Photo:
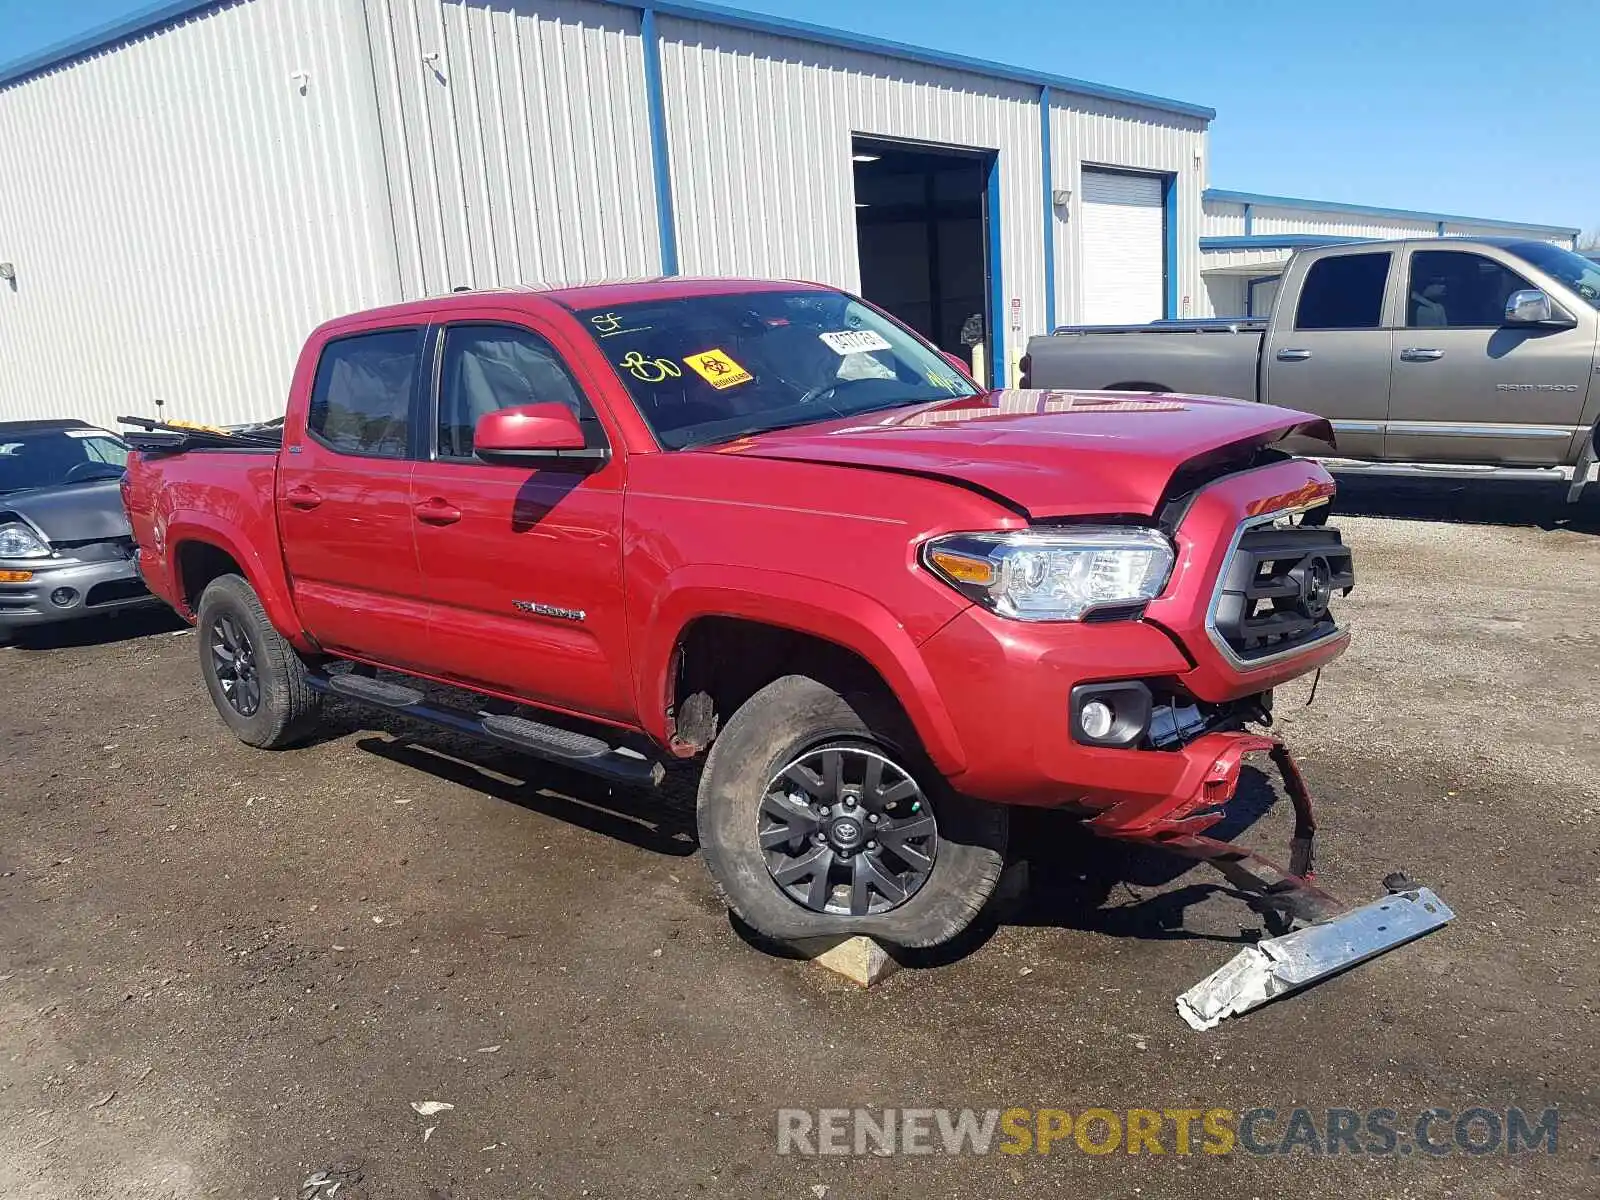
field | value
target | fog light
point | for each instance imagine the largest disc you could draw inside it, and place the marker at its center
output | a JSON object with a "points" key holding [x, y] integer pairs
{"points": [[1096, 719], [62, 597]]}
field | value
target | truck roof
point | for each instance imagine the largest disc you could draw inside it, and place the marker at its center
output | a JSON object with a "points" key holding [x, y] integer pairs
{"points": [[573, 297], [43, 425]]}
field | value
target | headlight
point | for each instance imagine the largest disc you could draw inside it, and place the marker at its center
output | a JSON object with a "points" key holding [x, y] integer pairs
{"points": [[18, 541], [1057, 574]]}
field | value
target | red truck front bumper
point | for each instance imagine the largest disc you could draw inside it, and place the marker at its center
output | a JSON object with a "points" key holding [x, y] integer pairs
{"points": [[1008, 685]]}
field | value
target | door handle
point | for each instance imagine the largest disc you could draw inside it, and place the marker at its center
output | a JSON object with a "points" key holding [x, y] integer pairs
{"points": [[302, 497], [436, 510], [1420, 354], [1292, 354]]}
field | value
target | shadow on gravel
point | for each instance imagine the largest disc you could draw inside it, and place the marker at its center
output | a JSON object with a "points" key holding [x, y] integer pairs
{"points": [[1473, 501], [653, 821], [1067, 877], [98, 631]]}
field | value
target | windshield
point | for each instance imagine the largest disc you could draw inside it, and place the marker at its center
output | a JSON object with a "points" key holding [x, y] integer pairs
{"points": [[708, 369], [49, 457], [1580, 274]]}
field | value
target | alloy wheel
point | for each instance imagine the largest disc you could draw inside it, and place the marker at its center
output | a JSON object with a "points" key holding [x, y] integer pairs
{"points": [[846, 830], [233, 657]]}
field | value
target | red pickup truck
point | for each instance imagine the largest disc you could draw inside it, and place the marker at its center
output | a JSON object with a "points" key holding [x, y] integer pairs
{"points": [[766, 523]]}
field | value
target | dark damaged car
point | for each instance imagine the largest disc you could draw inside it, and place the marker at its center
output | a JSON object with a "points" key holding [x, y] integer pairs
{"points": [[66, 550]]}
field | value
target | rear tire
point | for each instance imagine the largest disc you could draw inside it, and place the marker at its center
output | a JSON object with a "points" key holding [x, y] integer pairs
{"points": [[797, 718], [255, 677]]}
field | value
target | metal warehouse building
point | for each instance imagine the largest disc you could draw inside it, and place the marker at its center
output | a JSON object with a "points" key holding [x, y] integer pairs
{"points": [[187, 194]]}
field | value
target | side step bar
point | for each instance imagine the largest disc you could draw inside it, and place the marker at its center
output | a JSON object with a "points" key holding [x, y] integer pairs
{"points": [[1577, 476], [577, 750]]}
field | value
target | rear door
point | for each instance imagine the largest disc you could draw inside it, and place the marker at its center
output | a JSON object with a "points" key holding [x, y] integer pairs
{"points": [[1327, 350], [1469, 388], [522, 565], [344, 499]]}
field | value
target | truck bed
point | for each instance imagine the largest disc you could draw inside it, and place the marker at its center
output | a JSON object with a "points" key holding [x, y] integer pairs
{"points": [[1205, 356]]}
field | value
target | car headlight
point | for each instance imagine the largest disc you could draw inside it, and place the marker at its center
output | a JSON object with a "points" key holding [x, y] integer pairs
{"points": [[1061, 574], [18, 541]]}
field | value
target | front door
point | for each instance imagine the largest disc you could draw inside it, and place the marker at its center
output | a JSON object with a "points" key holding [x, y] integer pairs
{"points": [[344, 501], [1330, 356], [1467, 387], [522, 566]]}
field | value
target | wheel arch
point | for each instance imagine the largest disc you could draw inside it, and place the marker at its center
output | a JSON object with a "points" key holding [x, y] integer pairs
{"points": [[780, 625], [201, 552]]}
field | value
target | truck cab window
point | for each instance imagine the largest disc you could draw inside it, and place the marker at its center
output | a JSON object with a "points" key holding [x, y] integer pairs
{"points": [[490, 367], [1457, 290], [361, 400], [1344, 292]]}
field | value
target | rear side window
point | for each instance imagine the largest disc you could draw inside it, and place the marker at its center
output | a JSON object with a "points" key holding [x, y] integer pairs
{"points": [[361, 400], [1344, 292], [490, 367]]}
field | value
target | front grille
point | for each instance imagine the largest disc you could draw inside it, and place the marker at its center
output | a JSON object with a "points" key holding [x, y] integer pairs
{"points": [[1277, 591]]}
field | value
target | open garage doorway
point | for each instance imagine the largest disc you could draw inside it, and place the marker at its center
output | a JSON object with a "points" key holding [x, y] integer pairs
{"points": [[926, 228]]}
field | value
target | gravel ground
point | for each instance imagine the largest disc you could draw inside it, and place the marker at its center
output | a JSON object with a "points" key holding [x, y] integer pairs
{"points": [[223, 971]]}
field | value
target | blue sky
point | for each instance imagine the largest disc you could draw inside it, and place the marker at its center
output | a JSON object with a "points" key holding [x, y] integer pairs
{"points": [[1476, 107]]}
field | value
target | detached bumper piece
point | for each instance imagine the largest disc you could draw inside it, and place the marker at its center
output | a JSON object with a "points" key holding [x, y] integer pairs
{"points": [[1334, 936], [1285, 964]]}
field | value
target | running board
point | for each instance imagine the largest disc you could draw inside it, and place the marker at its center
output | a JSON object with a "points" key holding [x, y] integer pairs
{"points": [[579, 751], [1280, 965], [1417, 470]]}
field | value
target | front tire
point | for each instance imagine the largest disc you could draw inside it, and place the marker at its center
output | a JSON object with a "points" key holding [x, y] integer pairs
{"points": [[255, 678], [819, 817]]}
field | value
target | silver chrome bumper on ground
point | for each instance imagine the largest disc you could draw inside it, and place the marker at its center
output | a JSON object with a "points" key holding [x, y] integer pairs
{"points": [[1285, 964]]}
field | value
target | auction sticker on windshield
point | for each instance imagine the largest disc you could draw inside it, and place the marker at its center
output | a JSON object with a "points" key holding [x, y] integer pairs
{"points": [[717, 369], [855, 341]]}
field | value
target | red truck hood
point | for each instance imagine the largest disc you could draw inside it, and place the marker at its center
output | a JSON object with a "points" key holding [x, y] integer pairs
{"points": [[1052, 453]]}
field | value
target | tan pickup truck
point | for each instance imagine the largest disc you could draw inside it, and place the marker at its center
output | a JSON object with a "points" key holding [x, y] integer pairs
{"points": [[1453, 356]]}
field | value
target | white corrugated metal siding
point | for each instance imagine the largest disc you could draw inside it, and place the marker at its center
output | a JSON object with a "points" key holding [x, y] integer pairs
{"points": [[517, 140], [759, 129], [1086, 133], [183, 209]]}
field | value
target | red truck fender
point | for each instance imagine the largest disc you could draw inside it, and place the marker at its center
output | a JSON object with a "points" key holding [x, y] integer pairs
{"points": [[823, 610], [269, 580]]}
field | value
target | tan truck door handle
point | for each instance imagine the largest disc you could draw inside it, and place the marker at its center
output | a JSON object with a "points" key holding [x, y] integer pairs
{"points": [[1290, 354], [1420, 354]]}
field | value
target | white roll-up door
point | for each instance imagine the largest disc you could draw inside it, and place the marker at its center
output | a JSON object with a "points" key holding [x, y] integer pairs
{"points": [[1123, 244]]}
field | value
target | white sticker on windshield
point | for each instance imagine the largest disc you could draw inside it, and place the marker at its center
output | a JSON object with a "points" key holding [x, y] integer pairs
{"points": [[87, 433], [855, 341]]}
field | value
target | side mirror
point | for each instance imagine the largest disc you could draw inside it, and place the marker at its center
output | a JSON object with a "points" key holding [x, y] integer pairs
{"points": [[1530, 306], [529, 433]]}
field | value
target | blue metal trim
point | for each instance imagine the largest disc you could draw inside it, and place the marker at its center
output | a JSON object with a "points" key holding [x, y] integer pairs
{"points": [[716, 14], [660, 164], [103, 37], [1266, 201], [1169, 224], [1249, 219], [999, 369], [1049, 209], [1276, 241], [160, 15]]}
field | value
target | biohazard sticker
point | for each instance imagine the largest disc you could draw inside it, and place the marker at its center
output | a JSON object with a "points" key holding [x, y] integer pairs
{"points": [[717, 369], [855, 341]]}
